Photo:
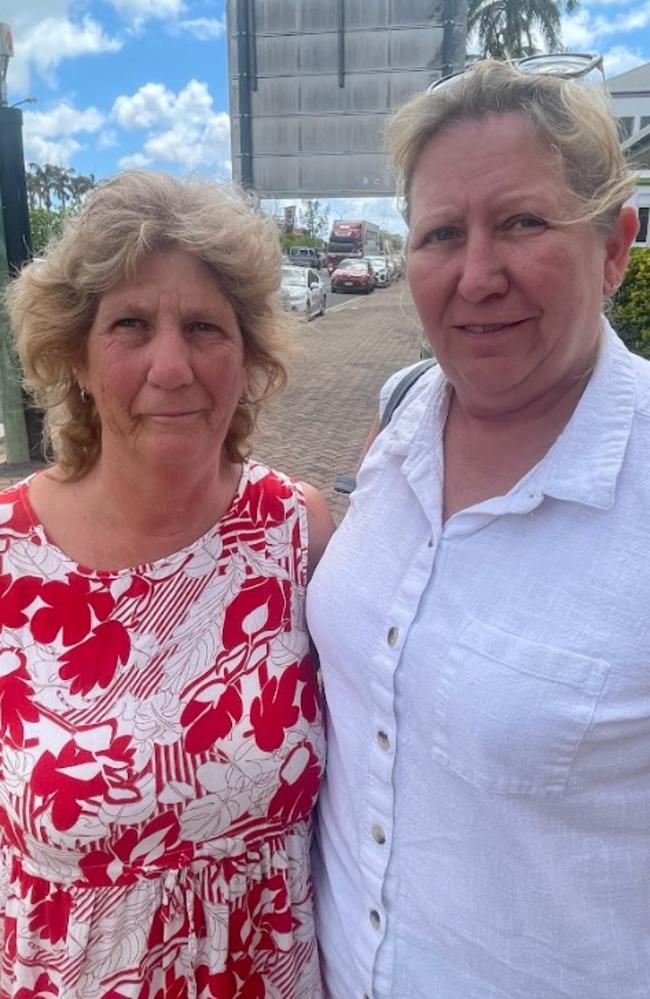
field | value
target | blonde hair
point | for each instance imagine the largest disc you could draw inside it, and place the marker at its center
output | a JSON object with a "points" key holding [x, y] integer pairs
{"points": [[53, 302], [572, 119]]}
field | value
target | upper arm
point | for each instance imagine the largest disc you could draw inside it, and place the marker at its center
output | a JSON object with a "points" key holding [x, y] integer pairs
{"points": [[320, 525]]}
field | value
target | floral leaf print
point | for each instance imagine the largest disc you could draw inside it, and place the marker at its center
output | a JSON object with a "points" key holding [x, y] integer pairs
{"points": [[207, 721], [274, 711], [43, 989], [49, 919], [16, 693], [68, 610], [299, 782], [15, 598], [93, 663], [262, 605], [67, 781]]}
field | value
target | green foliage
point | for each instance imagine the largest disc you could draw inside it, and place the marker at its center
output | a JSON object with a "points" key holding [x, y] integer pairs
{"points": [[629, 311], [45, 225], [395, 239], [508, 29], [287, 241], [314, 218]]}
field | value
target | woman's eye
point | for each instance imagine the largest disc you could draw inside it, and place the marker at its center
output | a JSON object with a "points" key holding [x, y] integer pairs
{"points": [[443, 234], [129, 323], [527, 222], [204, 327]]}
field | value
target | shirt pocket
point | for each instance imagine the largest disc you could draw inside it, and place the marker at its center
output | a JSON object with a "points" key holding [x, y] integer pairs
{"points": [[511, 713]]}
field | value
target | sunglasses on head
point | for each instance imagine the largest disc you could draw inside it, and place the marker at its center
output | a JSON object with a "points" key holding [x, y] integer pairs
{"points": [[567, 65]]}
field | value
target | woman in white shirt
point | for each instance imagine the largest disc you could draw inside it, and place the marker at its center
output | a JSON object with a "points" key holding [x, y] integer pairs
{"points": [[484, 828]]}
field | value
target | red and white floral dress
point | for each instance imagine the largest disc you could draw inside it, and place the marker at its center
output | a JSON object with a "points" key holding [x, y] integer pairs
{"points": [[161, 749]]}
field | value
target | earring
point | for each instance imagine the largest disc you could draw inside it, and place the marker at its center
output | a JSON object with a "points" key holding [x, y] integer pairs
{"points": [[84, 394]]}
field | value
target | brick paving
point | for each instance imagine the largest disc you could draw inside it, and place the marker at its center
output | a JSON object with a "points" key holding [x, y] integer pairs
{"points": [[317, 426]]}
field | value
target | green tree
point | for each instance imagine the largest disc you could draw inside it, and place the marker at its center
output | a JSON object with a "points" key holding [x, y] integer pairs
{"points": [[629, 310], [45, 225], [315, 218], [394, 239], [506, 29]]}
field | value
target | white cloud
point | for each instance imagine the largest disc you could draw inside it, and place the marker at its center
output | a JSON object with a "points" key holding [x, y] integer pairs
{"points": [[586, 29], [619, 59], [139, 11], [204, 28], [107, 139], [51, 136], [133, 161], [41, 47], [183, 128], [148, 105]]}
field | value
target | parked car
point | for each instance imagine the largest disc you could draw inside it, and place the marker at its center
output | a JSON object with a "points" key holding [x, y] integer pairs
{"points": [[353, 275], [302, 291], [305, 256], [381, 270]]}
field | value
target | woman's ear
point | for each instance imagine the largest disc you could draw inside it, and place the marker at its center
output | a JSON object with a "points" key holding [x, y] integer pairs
{"points": [[617, 246]]}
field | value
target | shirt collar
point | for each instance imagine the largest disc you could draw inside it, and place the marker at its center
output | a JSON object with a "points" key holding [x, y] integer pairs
{"points": [[583, 464]]}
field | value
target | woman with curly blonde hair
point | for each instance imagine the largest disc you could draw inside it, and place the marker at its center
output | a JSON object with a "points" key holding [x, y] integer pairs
{"points": [[161, 735]]}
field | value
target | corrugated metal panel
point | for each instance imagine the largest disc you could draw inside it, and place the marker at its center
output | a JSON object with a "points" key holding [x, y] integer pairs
{"points": [[308, 134]]}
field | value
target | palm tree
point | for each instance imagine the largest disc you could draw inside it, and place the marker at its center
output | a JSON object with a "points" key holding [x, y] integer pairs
{"points": [[506, 28]]}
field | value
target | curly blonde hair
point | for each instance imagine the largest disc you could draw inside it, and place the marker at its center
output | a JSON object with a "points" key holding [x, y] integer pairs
{"points": [[53, 302], [573, 120]]}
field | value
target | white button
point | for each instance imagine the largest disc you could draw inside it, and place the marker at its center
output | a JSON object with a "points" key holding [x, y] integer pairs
{"points": [[378, 834], [383, 740], [393, 635], [375, 918]]}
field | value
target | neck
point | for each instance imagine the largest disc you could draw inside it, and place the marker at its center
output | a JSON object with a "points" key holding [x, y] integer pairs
{"points": [[160, 502], [540, 419]]}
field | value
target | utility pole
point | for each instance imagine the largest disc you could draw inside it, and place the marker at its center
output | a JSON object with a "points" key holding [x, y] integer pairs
{"points": [[22, 423]]}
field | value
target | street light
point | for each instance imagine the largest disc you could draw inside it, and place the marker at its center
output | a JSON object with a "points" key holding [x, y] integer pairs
{"points": [[25, 100]]}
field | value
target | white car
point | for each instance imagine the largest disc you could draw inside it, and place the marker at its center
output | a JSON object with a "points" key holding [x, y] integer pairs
{"points": [[302, 291], [380, 270]]}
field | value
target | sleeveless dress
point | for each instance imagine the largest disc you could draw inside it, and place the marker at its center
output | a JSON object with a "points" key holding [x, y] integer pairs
{"points": [[161, 750]]}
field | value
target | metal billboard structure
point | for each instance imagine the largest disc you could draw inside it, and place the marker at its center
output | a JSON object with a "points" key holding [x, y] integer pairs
{"points": [[313, 81]]}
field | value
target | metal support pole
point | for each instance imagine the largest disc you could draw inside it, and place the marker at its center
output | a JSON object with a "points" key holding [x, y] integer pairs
{"points": [[448, 40], [17, 233], [341, 41], [13, 416], [244, 75]]}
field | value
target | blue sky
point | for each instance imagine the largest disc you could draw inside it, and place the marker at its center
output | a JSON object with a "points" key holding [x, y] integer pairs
{"points": [[145, 82]]}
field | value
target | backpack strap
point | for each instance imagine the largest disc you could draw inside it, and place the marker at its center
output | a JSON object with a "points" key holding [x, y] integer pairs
{"points": [[347, 483], [402, 387]]}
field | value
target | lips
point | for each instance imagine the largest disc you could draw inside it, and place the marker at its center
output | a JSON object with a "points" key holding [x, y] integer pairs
{"points": [[483, 329]]}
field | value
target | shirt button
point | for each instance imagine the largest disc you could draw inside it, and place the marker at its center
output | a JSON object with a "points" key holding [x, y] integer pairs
{"points": [[383, 740], [375, 919], [393, 635], [378, 835]]}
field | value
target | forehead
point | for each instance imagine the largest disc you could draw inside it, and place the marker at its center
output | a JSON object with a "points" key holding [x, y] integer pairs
{"points": [[171, 274], [496, 155]]}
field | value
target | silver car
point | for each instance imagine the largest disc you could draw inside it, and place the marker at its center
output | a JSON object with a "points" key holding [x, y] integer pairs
{"points": [[302, 291], [380, 270]]}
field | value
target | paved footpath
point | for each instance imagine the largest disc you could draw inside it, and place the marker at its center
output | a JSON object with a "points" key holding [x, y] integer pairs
{"points": [[317, 426]]}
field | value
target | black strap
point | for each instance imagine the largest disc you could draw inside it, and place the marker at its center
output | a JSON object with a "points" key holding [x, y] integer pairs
{"points": [[347, 483], [402, 388]]}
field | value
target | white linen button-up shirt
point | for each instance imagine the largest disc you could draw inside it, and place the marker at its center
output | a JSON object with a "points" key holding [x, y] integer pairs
{"points": [[485, 821]]}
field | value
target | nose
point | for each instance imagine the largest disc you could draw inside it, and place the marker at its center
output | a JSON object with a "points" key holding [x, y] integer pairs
{"points": [[170, 365], [483, 273]]}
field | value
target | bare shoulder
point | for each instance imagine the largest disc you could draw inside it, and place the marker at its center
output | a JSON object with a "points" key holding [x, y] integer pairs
{"points": [[320, 524]]}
